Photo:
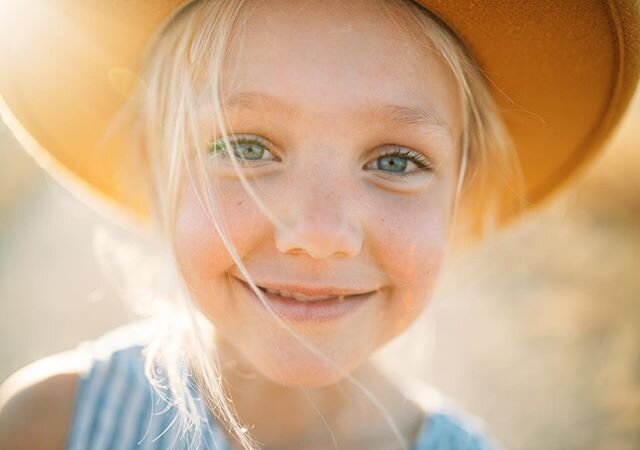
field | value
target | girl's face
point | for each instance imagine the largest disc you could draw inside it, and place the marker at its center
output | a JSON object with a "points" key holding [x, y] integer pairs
{"points": [[351, 130]]}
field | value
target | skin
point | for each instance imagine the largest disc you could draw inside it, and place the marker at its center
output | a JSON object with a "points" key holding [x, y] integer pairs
{"points": [[347, 222]]}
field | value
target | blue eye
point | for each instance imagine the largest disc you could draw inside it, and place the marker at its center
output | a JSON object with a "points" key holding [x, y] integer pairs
{"points": [[245, 149], [397, 161], [392, 163]]}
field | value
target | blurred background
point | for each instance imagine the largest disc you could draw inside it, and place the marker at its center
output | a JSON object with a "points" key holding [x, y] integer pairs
{"points": [[537, 331]]}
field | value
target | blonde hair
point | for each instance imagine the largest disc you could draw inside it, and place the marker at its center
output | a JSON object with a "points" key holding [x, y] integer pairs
{"points": [[185, 60], [490, 186]]}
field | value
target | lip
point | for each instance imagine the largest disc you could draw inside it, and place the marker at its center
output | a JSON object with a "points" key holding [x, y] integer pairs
{"points": [[311, 311], [311, 290]]}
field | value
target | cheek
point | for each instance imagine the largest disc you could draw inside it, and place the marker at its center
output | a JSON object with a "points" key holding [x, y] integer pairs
{"points": [[202, 256], [411, 231], [412, 238], [418, 250]]}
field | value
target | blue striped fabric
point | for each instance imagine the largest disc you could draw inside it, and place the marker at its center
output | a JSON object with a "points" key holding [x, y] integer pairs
{"points": [[117, 409]]}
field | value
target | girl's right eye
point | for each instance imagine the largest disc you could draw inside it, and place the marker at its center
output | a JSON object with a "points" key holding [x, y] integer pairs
{"points": [[246, 150]]}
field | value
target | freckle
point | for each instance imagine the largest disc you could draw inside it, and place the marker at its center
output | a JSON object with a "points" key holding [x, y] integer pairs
{"points": [[239, 203]]}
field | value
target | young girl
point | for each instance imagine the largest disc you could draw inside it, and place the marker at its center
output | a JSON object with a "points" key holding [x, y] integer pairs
{"points": [[305, 168]]}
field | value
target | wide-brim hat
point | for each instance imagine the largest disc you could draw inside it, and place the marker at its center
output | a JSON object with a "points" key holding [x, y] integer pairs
{"points": [[561, 72]]}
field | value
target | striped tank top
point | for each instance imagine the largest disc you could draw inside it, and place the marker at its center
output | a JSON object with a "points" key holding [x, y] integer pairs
{"points": [[116, 408]]}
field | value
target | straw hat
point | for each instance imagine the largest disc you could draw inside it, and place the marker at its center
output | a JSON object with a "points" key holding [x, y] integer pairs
{"points": [[563, 73]]}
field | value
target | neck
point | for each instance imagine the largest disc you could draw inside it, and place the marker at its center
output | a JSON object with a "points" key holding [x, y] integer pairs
{"points": [[336, 416]]}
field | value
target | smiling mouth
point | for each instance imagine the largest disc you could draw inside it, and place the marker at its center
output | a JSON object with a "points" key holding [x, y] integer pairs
{"points": [[307, 297], [317, 305]]}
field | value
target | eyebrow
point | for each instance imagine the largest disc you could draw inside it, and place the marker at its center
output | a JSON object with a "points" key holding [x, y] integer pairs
{"points": [[416, 116], [410, 116]]}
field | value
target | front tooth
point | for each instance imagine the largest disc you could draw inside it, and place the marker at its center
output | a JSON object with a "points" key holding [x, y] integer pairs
{"points": [[297, 296], [304, 298]]}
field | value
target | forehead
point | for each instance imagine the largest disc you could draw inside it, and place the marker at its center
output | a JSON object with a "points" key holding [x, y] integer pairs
{"points": [[329, 58]]}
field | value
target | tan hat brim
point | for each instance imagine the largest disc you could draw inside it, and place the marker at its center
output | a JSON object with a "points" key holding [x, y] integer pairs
{"points": [[562, 73]]}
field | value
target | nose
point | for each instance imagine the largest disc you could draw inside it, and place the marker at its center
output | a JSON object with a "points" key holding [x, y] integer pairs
{"points": [[321, 223]]}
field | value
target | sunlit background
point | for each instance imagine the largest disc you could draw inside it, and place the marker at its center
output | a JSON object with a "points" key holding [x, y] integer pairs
{"points": [[537, 332]]}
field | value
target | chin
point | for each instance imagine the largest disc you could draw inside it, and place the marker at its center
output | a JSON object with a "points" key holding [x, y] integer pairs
{"points": [[304, 369], [305, 375]]}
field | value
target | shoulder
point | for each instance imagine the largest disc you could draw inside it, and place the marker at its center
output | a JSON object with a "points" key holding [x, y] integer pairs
{"points": [[36, 402], [447, 426], [454, 430]]}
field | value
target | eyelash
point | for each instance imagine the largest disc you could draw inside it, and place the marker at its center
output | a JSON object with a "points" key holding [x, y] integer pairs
{"points": [[417, 158], [240, 140]]}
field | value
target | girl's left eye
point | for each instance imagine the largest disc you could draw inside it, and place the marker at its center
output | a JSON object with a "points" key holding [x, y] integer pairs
{"points": [[245, 149], [399, 159]]}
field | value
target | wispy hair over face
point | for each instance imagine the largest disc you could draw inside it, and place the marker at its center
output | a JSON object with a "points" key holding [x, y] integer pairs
{"points": [[182, 75]]}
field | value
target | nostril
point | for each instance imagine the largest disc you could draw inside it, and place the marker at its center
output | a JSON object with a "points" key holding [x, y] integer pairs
{"points": [[319, 238]]}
